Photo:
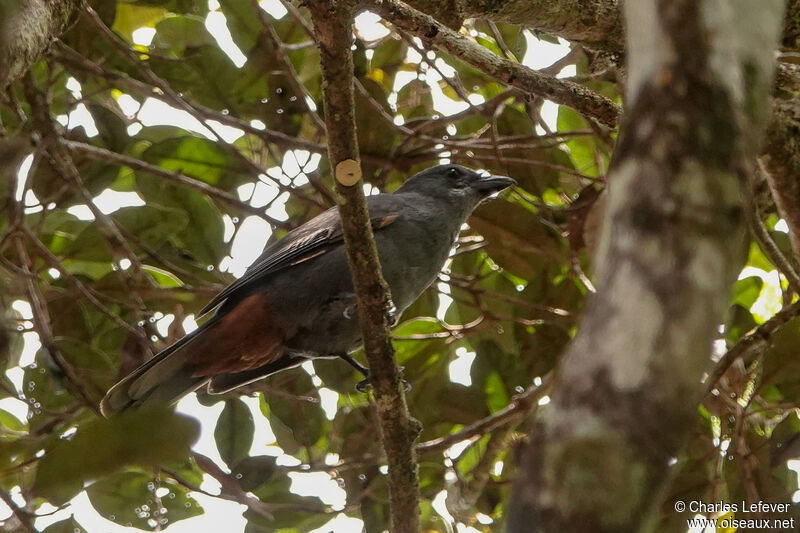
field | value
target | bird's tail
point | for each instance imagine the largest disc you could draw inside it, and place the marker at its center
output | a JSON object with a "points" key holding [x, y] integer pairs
{"points": [[163, 379]]}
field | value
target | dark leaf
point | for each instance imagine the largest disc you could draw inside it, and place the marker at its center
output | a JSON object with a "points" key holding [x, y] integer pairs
{"points": [[144, 438], [234, 431]]}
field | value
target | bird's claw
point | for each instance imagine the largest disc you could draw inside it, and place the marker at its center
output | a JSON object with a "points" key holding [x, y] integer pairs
{"points": [[364, 385]]}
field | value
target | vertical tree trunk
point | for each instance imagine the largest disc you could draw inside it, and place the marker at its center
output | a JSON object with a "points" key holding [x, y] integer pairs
{"points": [[26, 30], [671, 246]]}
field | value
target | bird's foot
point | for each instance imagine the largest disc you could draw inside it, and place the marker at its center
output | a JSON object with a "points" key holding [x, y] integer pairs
{"points": [[364, 385]]}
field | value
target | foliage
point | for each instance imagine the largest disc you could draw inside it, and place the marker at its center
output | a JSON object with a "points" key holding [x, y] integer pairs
{"points": [[106, 288]]}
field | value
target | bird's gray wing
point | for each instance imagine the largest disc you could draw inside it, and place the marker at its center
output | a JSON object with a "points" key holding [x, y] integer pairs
{"points": [[305, 242]]}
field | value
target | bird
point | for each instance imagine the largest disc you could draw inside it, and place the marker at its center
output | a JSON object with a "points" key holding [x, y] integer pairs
{"points": [[296, 301]]}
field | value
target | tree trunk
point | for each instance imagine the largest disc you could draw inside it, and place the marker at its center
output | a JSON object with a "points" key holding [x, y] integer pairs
{"points": [[671, 246], [26, 30]]}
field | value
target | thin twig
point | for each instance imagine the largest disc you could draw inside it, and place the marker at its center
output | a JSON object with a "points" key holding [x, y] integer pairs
{"points": [[24, 517], [766, 242], [752, 342]]}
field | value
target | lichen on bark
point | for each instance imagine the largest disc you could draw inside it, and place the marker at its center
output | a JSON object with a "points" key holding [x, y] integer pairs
{"points": [[27, 29], [672, 245]]}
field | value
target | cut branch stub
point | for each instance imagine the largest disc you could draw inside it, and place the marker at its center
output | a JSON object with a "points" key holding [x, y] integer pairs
{"points": [[348, 172]]}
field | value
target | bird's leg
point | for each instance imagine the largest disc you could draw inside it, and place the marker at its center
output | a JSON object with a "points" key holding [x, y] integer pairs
{"points": [[363, 385], [355, 364]]}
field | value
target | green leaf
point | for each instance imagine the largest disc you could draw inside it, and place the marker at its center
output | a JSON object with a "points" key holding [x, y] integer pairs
{"points": [[243, 22], [367, 117], [496, 395], [44, 389], [781, 364], [414, 100], [389, 55], [516, 238], [202, 238], [131, 17], [739, 322], [296, 421], [65, 526], [200, 158], [757, 259], [747, 290], [490, 44], [111, 127], [134, 499], [581, 149], [165, 279], [177, 33], [234, 432], [149, 437], [253, 472], [785, 439], [11, 422], [151, 225]]}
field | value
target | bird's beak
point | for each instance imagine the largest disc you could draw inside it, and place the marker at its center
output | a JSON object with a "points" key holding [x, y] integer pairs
{"points": [[492, 184]]}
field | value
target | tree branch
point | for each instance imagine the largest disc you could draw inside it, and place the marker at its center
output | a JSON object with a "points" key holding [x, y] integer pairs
{"points": [[752, 342], [24, 517], [509, 72], [41, 319], [781, 157], [333, 28], [519, 407], [597, 24], [101, 154], [765, 240]]}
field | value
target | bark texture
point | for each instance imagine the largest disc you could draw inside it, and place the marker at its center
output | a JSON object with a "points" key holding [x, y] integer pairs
{"points": [[671, 246], [782, 161], [26, 30], [596, 24], [791, 26], [512, 73], [332, 25]]}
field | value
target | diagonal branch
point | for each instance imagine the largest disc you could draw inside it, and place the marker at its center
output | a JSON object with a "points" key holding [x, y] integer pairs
{"points": [[765, 240], [781, 158], [41, 319], [102, 154], [509, 72], [754, 341]]}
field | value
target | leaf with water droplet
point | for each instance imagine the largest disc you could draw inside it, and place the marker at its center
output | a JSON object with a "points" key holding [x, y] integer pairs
{"points": [[120, 498], [144, 438]]}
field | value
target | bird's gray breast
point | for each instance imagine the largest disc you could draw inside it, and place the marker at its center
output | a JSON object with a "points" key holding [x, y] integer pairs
{"points": [[412, 253], [319, 301]]}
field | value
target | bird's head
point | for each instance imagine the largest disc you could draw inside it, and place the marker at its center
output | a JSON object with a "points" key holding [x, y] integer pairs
{"points": [[455, 184]]}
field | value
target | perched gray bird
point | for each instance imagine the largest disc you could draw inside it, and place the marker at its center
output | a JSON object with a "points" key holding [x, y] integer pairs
{"points": [[296, 302]]}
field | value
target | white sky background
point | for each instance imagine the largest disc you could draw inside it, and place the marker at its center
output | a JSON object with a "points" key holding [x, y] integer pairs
{"points": [[253, 233]]}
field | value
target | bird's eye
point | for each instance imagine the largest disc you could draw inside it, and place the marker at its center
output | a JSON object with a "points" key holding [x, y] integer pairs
{"points": [[452, 172]]}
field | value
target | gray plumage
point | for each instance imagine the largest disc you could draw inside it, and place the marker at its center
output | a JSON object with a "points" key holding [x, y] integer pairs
{"points": [[297, 301]]}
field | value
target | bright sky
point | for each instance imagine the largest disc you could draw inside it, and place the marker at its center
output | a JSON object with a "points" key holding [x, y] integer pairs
{"points": [[248, 241]]}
